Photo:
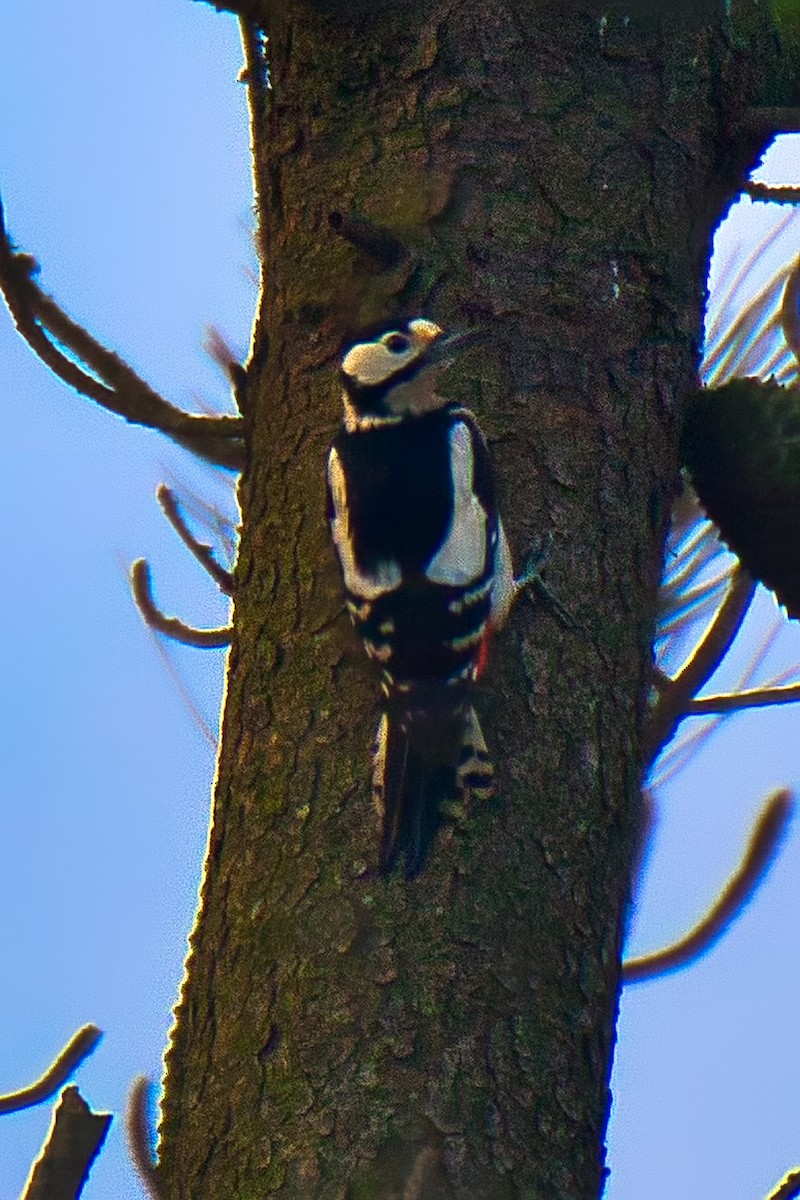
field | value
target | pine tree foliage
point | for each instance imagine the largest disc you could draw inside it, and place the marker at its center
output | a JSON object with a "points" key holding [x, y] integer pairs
{"points": [[741, 444], [739, 441]]}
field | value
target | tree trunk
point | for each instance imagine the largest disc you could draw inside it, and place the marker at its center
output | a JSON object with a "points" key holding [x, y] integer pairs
{"points": [[554, 177]]}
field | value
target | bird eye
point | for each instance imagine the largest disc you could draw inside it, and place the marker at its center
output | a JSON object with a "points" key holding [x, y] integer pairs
{"points": [[396, 342]]}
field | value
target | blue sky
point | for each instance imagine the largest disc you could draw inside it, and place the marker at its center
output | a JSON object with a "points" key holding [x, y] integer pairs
{"points": [[124, 168]]}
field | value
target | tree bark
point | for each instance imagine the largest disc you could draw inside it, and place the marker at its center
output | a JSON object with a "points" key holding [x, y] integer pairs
{"points": [[554, 175]]}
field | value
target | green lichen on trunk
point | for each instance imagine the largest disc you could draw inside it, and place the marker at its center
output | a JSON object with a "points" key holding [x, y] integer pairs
{"points": [[554, 179]]}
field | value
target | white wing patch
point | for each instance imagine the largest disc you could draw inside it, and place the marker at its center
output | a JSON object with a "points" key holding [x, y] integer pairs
{"points": [[462, 555], [504, 590], [368, 586]]}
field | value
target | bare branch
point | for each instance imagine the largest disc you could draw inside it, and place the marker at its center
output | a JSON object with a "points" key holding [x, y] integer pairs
{"points": [[103, 376], [704, 706], [75, 1138], [137, 1125], [715, 645], [788, 1188], [206, 639], [202, 552], [681, 749], [767, 834], [209, 515], [670, 708], [76, 1050], [775, 195], [382, 246]]}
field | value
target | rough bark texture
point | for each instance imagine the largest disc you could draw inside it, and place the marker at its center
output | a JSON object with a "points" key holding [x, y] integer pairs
{"points": [[556, 175]]}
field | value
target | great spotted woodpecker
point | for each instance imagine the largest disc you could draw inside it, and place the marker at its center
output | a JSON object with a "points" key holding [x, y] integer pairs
{"points": [[427, 572]]}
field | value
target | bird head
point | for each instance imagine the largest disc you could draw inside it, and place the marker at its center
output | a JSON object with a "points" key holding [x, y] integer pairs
{"points": [[394, 374]]}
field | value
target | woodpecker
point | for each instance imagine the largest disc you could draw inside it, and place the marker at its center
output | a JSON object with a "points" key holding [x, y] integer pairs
{"points": [[427, 572]]}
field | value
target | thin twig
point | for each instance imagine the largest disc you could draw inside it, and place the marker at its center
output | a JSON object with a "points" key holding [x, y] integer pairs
{"points": [[104, 377], [670, 709], [788, 1188], [677, 610], [163, 649], [206, 639], [761, 849], [718, 361], [691, 553], [76, 1050], [221, 351], [680, 750], [223, 355], [137, 1125], [206, 513], [75, 1137], [704, 706], [715, 645], [202, 552]]}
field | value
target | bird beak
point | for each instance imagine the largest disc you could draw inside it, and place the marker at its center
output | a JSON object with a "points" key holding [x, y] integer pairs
{"points": [[448, 345]]}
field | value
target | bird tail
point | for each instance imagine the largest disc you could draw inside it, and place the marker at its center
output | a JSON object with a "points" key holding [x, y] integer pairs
{"points": [[475, 773], [422, 760]]}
